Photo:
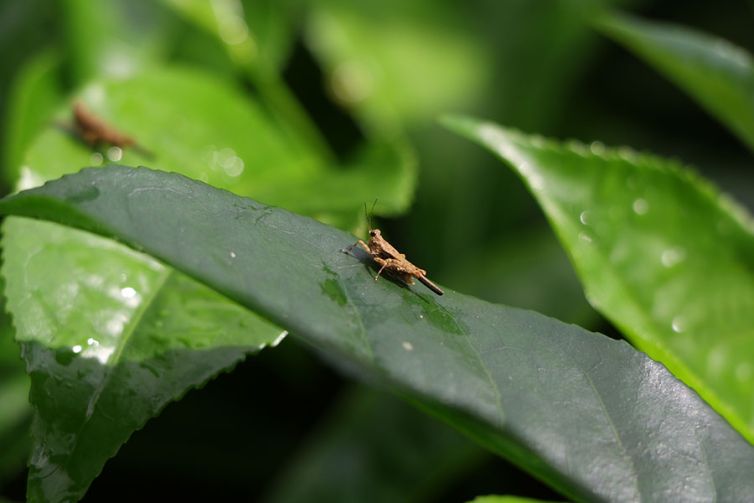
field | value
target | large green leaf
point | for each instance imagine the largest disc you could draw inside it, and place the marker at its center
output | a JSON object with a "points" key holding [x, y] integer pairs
{"points": [[110, 336], [591, 416], [713, 71], [195, 125], [35, 94], [661, 253], [199, 126]]}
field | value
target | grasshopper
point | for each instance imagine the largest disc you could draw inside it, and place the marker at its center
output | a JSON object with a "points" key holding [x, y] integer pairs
{"points": [[94, 131], [390, 259]]}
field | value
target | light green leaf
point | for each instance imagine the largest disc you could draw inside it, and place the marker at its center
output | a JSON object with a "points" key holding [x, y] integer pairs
{"points": [[660, 252], [110, 336], [589, 415], [199, 126], [256, 34], [384, 78], [36, 93], [719, 75], [114, 38]]}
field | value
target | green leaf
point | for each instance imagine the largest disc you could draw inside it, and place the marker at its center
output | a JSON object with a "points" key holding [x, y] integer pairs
{"points": [[199, 126], [719, 75], [384, 78], [35, 94], [115, 38], [373, 447], [110, 336], [257, 35], [660, 251], [15, 411], [589, 415]]}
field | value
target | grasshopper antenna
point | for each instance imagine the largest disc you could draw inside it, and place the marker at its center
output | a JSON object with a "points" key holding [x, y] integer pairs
{"points": [[368, 214], [371, 213]]}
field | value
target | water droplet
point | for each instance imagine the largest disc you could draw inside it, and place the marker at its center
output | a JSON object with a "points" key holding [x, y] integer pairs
{"points": [[114, 327], [96, 159], [597, 148], [678, 324], [421, 316], [585, 237], [641, 206], [232, 254], [92, 342], [76, 349], [408, 346], [672, 256], [128, 292], [115, 154], [228, 161], [584, 217]]}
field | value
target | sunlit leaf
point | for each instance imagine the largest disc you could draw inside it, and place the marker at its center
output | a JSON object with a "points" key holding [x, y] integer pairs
{"points": [[660, 252]]}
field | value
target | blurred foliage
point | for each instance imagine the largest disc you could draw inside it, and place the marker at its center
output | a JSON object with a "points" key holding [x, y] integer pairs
{"points": [[357, 86]]}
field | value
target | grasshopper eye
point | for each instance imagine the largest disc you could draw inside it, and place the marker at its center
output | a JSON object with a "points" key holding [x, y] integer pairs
{"points": [[372, 233]]}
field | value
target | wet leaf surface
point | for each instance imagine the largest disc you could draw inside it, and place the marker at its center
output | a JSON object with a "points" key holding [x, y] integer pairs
{"points": [[591, 416]]}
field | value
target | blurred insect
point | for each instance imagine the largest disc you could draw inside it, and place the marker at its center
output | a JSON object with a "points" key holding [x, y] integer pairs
{"points": [[96, 133], [391, 260]]}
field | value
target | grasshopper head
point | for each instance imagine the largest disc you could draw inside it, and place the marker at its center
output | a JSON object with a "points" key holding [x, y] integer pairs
{"points": [[374, 233]]}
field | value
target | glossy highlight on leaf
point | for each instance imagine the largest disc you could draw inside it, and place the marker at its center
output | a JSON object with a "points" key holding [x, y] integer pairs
{"points": [[573, 407], [660, 251]]}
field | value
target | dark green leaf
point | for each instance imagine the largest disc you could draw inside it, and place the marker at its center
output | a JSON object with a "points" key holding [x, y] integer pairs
{"points": [[660, 251], [719, 75], [591, 416]]}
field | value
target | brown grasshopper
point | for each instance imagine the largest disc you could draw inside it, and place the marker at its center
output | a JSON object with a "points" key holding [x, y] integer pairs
{"points": [[390, 259], [94, 131]]}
